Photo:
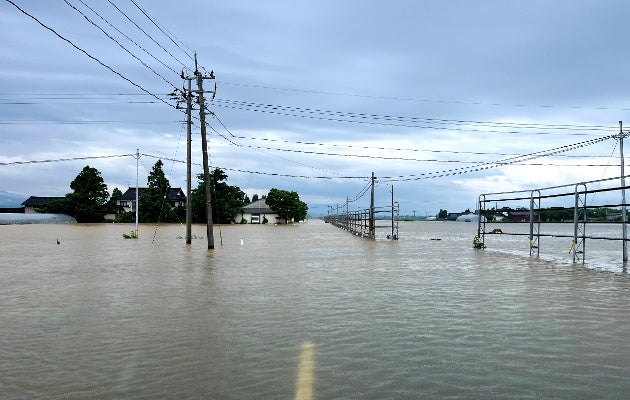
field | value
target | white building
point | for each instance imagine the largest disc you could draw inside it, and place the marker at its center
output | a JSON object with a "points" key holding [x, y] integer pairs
{"points": [[257, 212]]}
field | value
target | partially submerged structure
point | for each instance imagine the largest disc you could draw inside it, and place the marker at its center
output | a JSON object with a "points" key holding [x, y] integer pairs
{"points": [[258, 212]]}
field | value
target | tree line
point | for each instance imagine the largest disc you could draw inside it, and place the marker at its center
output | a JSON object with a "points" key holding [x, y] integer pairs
{"points": [[90, 200]]}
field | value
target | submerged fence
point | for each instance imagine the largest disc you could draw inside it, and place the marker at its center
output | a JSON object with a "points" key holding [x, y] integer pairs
{"points": [[364, 222], [582, 196]]}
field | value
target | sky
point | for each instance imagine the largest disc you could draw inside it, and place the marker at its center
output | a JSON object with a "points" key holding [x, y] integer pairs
{"points": [[442, 100]]}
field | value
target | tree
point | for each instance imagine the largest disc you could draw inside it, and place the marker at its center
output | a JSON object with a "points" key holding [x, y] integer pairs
{"points": [[443, 214], [287, 205], [116, 193], [227, 200], [87, 202], [255, 197], [154, 205]]}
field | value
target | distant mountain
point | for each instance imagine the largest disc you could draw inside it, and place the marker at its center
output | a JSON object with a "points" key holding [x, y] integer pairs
{"points": [[8, 199]]}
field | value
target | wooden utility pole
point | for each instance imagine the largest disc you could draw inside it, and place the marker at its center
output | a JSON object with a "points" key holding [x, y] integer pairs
{"points": [[204, 150]]}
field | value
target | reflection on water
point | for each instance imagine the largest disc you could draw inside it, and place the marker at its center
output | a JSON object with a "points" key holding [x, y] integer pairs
{"points": [[98, 316]]}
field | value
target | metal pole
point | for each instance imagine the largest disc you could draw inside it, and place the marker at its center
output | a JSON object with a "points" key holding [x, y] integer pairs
{"points": [[204, 149], [372, 227], [623, 195], [188, 163], [393, 238], [137, 160]]}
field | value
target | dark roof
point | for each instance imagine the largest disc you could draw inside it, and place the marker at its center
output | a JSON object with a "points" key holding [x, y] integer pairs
{"points": [[258, 207], [176, 194], [519, 213], [34, 201]]}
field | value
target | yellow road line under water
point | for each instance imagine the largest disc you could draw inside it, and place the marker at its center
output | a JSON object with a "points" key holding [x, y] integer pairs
{"points": [[305, 373]]}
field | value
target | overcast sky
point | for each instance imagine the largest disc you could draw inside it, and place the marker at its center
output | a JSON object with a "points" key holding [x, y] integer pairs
{"points": [[322, 93]]}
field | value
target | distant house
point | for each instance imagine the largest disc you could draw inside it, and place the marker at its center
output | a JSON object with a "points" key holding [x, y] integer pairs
{"points": [[127, 202], [520, 216], [33, 203], [256, 212]]}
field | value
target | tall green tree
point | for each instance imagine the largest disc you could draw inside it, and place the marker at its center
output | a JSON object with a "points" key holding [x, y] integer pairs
{"points": [[227, 200], [87, 201], [287, 204], [116, 193], [154, 204]]}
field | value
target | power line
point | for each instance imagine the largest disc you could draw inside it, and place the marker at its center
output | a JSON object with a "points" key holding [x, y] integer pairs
{"points": [[87, 54], [119, 44], [508, 124], [392, 158], [65, 159], [128, 38], [351, 146], [410, 99], [382, 121], [84, 122], [496, 164], [263, 173], [161, 30], [143, 31]]}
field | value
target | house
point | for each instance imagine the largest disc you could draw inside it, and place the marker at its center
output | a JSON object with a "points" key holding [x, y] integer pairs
{"points": [[520, 216], [127, 202], [257, 212], [34, 202]]}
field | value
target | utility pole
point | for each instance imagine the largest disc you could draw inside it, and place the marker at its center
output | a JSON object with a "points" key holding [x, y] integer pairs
{"points": [[372, 225], [204, 150], [347, 214], [393, 237], [137, 204], [188, 96], [624, 218]]}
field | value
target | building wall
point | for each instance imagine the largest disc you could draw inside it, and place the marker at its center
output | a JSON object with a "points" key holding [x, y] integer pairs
{"points": [[272, 218]]}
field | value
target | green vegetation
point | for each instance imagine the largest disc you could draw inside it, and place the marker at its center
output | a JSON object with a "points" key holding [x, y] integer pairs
{"points": [[227, 200], [154, 205], [477, 244], [87, 202], [287, 205]]}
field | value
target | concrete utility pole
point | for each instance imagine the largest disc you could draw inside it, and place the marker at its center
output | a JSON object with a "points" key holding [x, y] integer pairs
{"points": [[393, 237], [188, 95], [137, 161], [372, 224], [188, 161], [624, 218], [204, 149]]}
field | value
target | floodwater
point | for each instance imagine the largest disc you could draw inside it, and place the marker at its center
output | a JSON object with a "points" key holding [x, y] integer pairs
{"points": [[309, 311]]}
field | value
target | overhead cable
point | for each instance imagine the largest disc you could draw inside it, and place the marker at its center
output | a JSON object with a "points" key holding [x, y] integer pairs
{"points": [[120, 45], [88, 54], [475, 103], [381, 121], [128, 38], [143, 31]]}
